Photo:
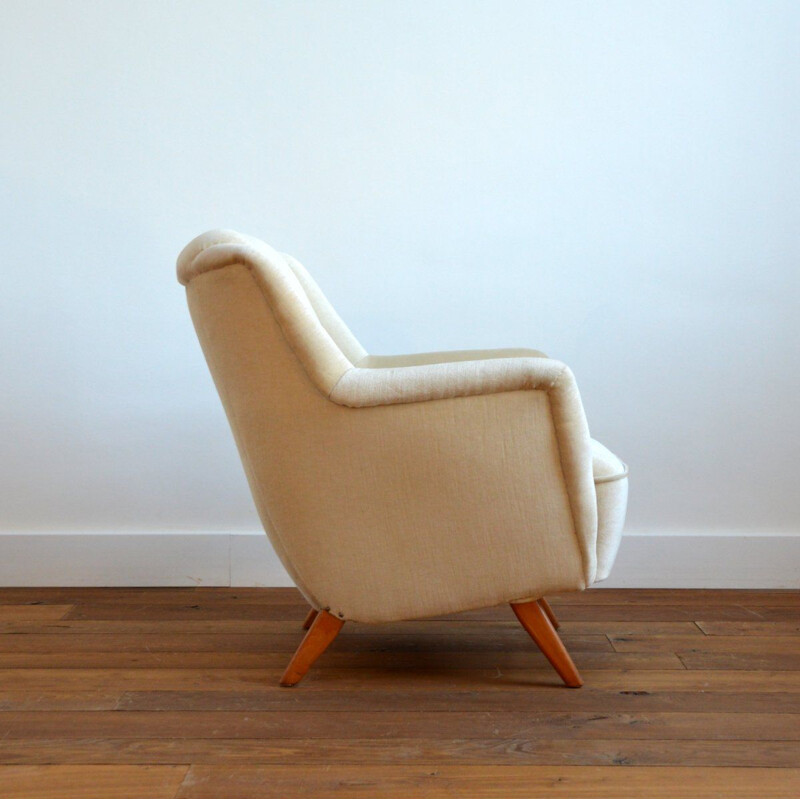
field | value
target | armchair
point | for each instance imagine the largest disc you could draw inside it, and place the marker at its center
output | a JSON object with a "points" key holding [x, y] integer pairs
{"points": [[400, 487]]}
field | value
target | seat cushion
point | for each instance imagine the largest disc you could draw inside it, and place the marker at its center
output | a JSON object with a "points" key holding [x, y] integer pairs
{"points": [[611, 486]]}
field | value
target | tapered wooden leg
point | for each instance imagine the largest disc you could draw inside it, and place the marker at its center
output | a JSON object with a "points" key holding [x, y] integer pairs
{"points": [[322, 632], [549, 611], [537, 623], [312, 615]]}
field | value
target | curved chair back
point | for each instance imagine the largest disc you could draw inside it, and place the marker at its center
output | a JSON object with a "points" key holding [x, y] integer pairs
{"points": [[275, 348]]}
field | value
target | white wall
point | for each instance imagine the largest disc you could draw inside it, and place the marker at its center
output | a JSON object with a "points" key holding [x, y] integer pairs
{"points": [[614, 183]]}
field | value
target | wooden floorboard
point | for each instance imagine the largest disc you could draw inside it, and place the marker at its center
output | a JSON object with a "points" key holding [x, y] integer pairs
{"points": [[456, 628], [399, 659], [174, 692], [502, 641], [16, 614], [205, 609], [407, 724], [388, 678], [84, 780], [786, 628], [593, 700], [400, 751], [484, 781]]}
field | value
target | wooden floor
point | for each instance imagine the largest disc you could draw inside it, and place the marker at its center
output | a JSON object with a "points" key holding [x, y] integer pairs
{"points": [[174, 693]]}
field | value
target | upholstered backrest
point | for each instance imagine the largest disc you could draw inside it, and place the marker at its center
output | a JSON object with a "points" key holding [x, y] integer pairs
{"points": [[319, 338], [275, 348], [326, 313]]}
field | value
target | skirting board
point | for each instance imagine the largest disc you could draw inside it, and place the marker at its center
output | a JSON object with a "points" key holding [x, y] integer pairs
{"points": [[666, 559]]}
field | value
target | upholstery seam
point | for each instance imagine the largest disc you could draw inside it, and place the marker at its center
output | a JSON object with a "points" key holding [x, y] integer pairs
{"points": [[612, 478], [338, 381], [570, 502]]}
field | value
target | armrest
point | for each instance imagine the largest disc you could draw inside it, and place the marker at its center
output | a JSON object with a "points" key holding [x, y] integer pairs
{"points": [[393, 386], [452, 356], [374, 386]]}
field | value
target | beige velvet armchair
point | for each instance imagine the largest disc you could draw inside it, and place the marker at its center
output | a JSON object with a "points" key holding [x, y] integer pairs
{"points": [[400, 487]]}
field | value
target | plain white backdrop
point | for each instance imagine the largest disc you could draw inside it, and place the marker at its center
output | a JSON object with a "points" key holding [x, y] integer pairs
{"points": [[616, 183]]}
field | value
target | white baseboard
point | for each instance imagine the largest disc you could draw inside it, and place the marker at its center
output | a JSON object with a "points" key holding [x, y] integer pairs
{"points": [[707, 560], [665, 559]]}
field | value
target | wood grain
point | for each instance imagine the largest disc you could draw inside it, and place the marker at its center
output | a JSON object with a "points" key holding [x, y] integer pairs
{"points": [[407, 724], [503, 641], [173, 692], [454, 628], [786, 628], [594, 700], [73, 780], [487, 781], [598, 752], [387, 678], [370, 680], [32, 613], [750, 645], [377, 659]]}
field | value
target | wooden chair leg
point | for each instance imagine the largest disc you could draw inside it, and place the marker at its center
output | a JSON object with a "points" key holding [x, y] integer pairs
{"points": [[541, 630], [312, 614], [549, 611], [322, 632]]}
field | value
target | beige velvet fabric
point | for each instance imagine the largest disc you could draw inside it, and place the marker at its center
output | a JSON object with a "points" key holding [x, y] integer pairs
{"points": [[327, 315], [321, 356], [405, 486]]}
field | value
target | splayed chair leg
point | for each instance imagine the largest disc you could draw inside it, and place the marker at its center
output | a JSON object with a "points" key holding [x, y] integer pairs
{"points": [[541, 630], [549, 611], [312, 615], [322, 632]]}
